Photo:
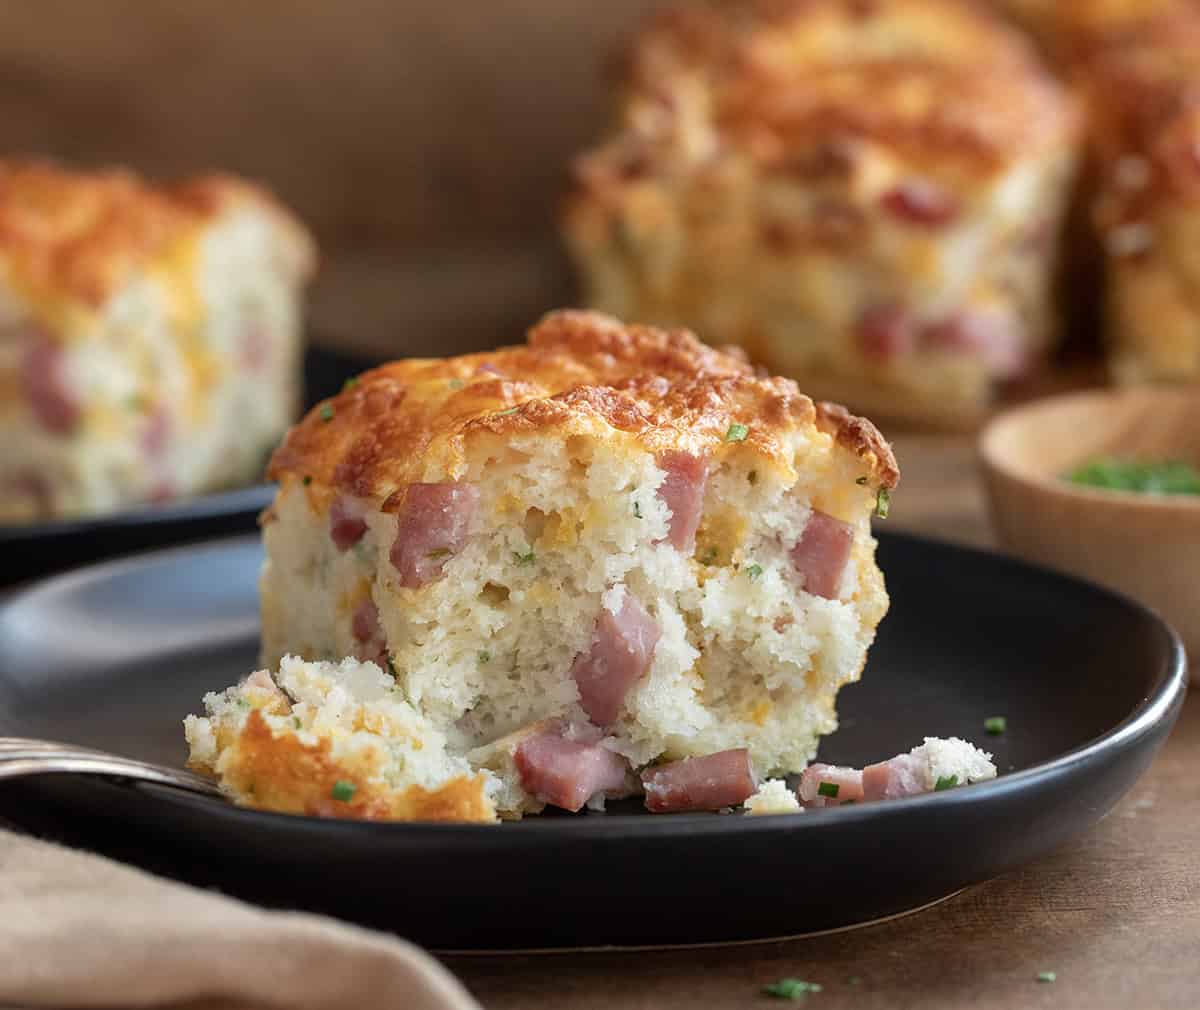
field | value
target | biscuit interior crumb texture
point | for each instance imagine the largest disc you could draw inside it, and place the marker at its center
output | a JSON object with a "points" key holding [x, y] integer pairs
{"points": [[866, 197], [615, 531], [149, 337], [773, 797]]}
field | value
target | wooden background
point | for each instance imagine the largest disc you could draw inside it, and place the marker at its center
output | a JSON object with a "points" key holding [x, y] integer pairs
{"points": [[425, 143]]}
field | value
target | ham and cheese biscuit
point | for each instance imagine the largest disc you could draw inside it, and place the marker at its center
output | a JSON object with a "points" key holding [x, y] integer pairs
{"points": [[149, 337], [608, 549], [866, 196]]}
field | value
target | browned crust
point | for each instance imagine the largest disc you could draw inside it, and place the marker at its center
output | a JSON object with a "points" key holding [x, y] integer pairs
{"points": [[288, 776], [780, 75], [1137, 63], [77, 235], [579, 372]]}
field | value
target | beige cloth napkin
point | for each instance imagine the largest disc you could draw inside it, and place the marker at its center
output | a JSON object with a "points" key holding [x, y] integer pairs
{"points": [[77, 930]]}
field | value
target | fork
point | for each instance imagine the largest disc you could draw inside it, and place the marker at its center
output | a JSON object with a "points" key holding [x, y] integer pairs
{"points": [[20, 757]]}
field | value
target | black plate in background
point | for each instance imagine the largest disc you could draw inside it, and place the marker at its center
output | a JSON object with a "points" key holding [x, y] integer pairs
{"points": [[1091, 683], [39, 549]]}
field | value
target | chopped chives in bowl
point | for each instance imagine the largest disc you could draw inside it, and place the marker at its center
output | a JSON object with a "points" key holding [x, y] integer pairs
{"points": [[1143, 476]]}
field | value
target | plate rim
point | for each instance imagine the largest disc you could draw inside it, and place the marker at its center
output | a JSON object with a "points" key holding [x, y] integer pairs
{"points": [[1160, 704]]}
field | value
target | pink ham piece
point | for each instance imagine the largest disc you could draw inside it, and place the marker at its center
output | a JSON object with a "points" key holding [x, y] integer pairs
{"points": [[903, 775], [995, 338], [620, 654], [682, 491], [433, 523], [848, 781], [821, 554], [921, 202], [346, 521], [53, 401], [885, 332], [717, 780], [567, 773], [368, 633]]}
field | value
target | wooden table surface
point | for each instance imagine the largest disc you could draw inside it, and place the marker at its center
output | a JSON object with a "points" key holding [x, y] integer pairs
{"points": [[1115, 914]]}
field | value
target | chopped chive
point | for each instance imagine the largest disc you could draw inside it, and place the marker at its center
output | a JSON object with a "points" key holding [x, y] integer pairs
{"points": [[883, 502], [737, 433], [343, 791], [327, 412], [456, 384], [995, 725], [391, 666], [505, 413], [523, 559], [485, 656], [791, 988], [861, 481], [306, 480], [830, 789], [440, 552], [946, 782], [349, 384], [243, 703], [637, 509], [753, 571], [296, 721], [1047, 976]]}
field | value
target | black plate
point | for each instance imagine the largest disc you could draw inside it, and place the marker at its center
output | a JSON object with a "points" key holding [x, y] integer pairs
{"points": [[38, 549], [116, 655]]}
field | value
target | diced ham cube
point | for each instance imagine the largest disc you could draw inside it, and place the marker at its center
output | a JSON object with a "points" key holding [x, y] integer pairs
{"points": [[567, 773], [717, 780], [620, 654], [818, 781], [368, 633], [682, 491], [995, 338], [433, 523], [51, 397], [885, 331], [347, 523], [921, 202], [903, 775], [821, 554]]}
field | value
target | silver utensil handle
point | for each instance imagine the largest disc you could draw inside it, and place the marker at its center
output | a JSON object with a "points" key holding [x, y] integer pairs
{"points": [[19, 758]]}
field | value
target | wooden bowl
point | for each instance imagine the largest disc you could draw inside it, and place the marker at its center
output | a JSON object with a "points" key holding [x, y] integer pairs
{"points": [[1147, 546]]}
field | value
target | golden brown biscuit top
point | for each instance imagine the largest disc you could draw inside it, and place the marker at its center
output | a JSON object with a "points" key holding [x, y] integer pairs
{"points": [[67, 235], [1138, 65], [931, 79], [579, 373]]}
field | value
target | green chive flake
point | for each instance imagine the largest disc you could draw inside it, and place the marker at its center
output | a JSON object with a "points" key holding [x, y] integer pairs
{"points": [[637, 509], [945, 782], [791, 988], [1047, 976], [485, 656], [306, 480], [349, 384], [327, 412], [830, 789], [343, 791], [506, 413], [995, 725], [523, 559], [438, 553], [737, 433], [753, 571], [883, 502], [296, 721], [456, 384]]}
